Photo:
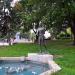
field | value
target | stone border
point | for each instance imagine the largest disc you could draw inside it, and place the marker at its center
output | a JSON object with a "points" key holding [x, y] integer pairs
{"points": [[23, 58], [54, 68], [43, 58]]}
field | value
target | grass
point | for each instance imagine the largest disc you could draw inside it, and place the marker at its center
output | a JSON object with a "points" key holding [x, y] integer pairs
{"points": [[63, 51]]}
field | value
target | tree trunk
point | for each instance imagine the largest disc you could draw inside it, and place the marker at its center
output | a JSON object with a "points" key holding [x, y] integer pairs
{"points": [[37, 25], [9, 38], [73, 37], [74, 40], [36, 39], [73, 31]]}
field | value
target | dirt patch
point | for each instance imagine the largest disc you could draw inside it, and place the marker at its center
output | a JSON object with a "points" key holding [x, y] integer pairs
{"points": [[58, 56]]}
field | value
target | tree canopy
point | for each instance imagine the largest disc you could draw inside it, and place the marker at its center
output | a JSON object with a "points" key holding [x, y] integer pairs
{"points": [[52, 13], [57, 14]]}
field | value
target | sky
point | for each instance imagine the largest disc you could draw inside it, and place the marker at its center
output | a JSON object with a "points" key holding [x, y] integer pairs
{"points": [[13, 2]]}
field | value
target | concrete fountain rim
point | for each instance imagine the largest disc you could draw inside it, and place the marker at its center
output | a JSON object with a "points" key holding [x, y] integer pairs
{"points": [[43, 58]]}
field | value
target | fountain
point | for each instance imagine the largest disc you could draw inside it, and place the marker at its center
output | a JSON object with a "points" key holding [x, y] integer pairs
{"points": [[17, 37], [33, 64], [28, 67], [18, 69], [43, 56]]}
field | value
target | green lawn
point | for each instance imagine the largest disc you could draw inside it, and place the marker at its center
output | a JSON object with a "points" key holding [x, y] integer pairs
{"points": [[63, 51]]}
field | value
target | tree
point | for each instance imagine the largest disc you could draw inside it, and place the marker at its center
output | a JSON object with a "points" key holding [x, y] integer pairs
{"points": [[53, 13], [9, 20]]}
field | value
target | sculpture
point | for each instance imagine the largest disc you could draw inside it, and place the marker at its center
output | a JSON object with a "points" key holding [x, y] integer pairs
{"points": [[40, 31]]}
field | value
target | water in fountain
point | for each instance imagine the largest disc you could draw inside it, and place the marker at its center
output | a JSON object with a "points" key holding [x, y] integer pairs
{"points": [[22, 68]]}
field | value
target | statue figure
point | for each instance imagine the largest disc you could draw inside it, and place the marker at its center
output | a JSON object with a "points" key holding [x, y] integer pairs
{"points": [[40, 31]]}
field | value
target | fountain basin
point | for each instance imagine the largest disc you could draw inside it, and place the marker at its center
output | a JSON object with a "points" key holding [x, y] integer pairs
{"points": [[34, 64]]}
